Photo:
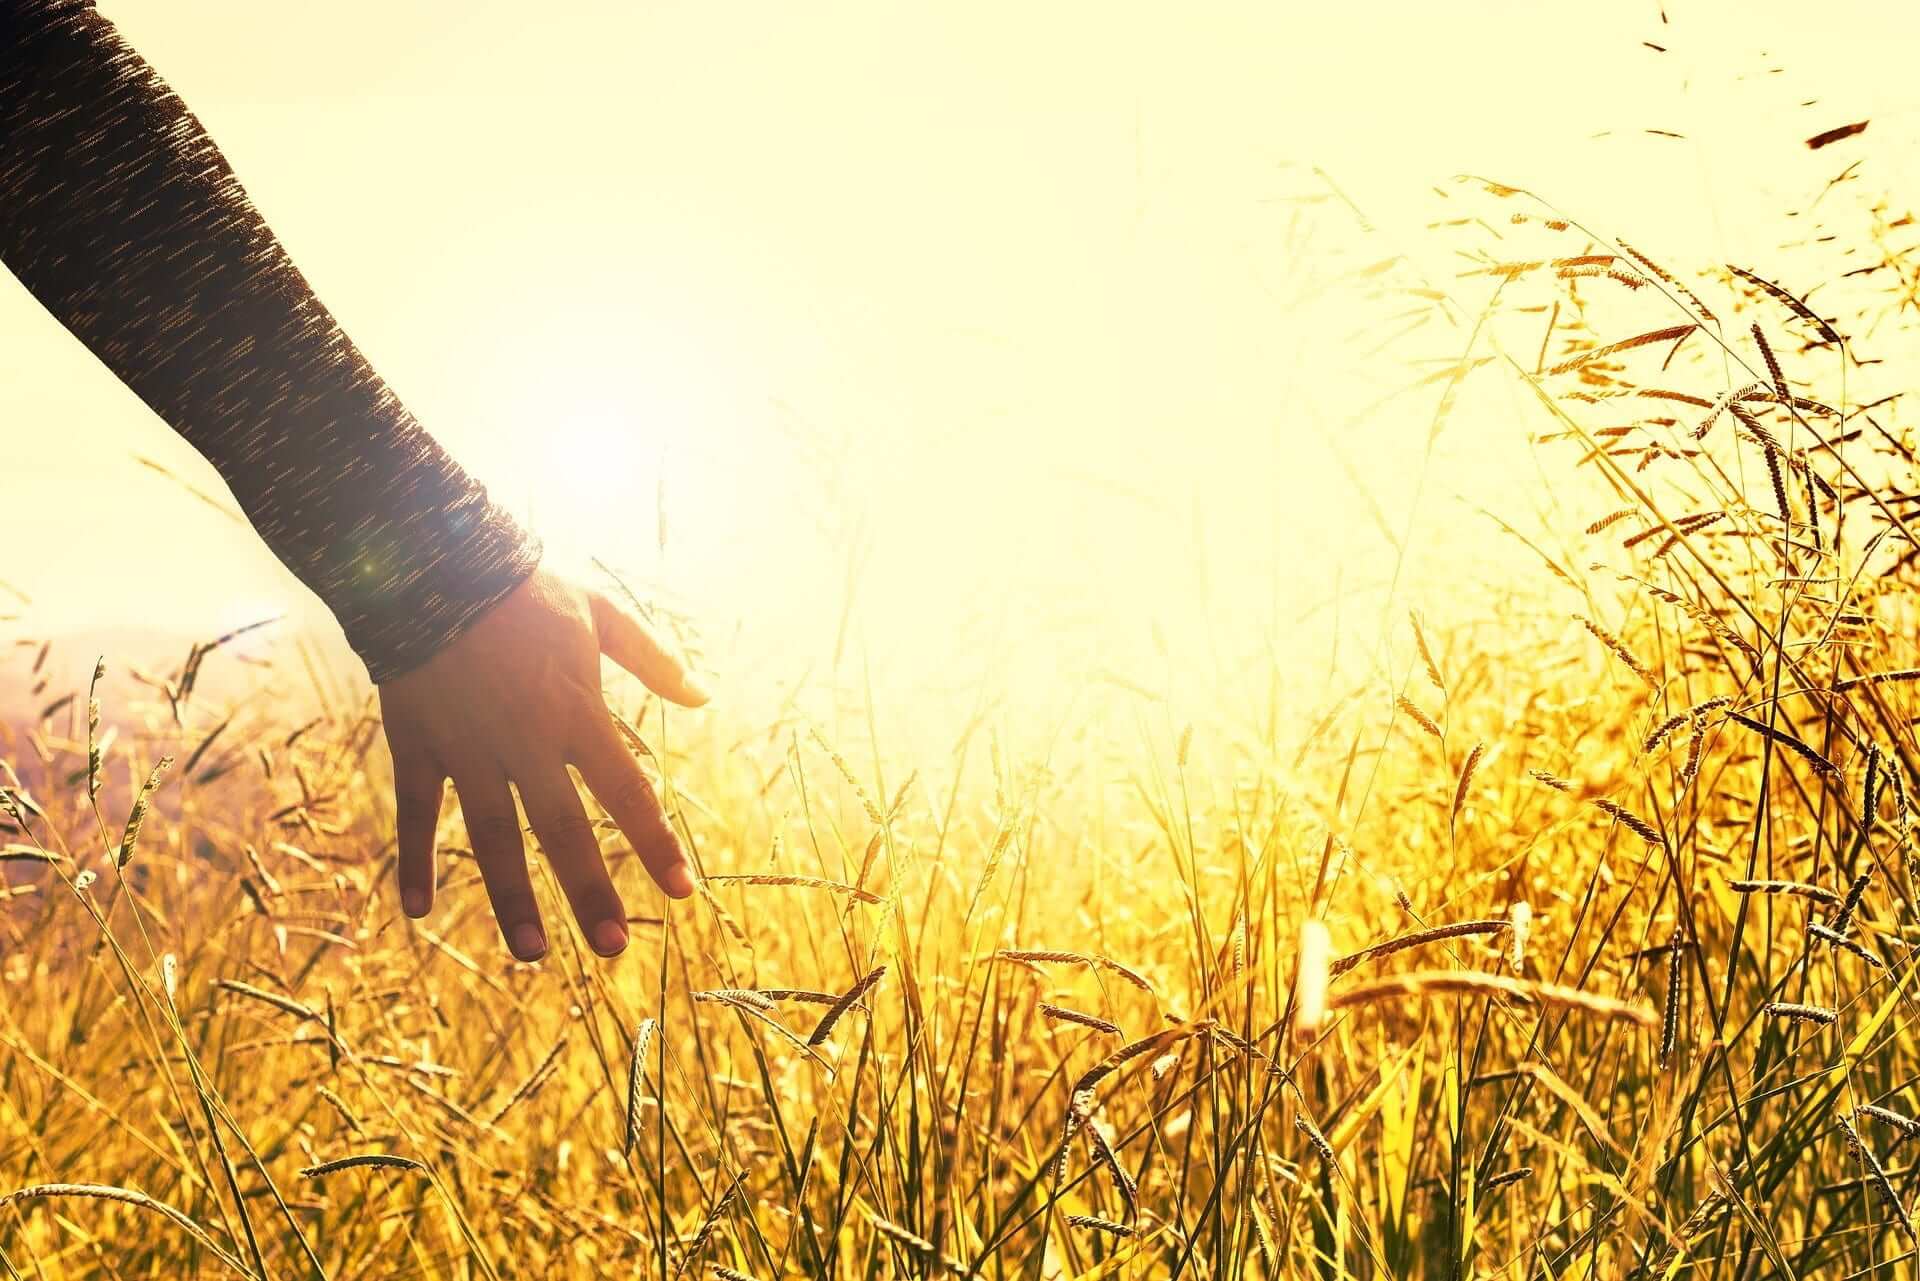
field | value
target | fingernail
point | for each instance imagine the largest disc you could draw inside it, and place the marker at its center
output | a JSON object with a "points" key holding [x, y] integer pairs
{"points": [[529, 944], [696, 688], [677, 880], [610, 938], [414, 902]]}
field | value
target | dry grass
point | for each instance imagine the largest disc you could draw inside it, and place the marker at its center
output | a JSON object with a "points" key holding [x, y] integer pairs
{"points": [[1657, 991]]}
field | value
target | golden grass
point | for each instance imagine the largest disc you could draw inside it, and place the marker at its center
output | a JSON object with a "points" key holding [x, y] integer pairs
{"points": [[1020, 1022]]}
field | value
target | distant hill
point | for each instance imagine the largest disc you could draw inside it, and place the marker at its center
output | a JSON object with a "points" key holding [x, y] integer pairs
{"points": [[269, 656]]}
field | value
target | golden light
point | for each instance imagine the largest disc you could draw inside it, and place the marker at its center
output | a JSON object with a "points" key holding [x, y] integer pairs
{"points": [[1070, 354], [591, 484]]}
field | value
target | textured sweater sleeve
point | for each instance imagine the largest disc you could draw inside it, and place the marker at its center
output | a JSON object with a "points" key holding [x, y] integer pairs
{"points": [[120, 215]]}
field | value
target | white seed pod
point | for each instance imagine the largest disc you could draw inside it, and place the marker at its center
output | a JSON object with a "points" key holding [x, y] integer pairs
{"points": [[1310, 981], [1520, 918]]}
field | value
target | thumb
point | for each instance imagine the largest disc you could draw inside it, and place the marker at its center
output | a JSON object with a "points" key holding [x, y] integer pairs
{"points": [[630, 642]]}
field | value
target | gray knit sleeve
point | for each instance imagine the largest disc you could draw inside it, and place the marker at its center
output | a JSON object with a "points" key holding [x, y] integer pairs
{"points": [[121, 216]]}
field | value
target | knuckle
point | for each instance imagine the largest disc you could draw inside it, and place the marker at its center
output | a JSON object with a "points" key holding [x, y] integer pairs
{"points": [[567, 832], [632, 792], [497, 831]]}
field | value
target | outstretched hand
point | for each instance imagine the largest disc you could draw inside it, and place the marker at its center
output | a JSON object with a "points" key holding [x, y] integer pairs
{"points": [[515, 700]]}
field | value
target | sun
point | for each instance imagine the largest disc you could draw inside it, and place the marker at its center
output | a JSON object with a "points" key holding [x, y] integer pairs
{"points": [[592, 484]]}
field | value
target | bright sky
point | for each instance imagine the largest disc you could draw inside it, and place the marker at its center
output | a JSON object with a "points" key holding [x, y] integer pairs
{"points": [[1013, 290]]}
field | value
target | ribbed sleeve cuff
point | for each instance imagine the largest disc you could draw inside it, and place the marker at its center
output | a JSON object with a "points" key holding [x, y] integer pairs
{"points": [[407, 589]]}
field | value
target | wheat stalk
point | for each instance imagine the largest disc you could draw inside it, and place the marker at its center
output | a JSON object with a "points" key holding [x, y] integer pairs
{"points": [[363, 1161], [1417, 716], [1506, 1177], [1619, 650], [803, 882], [127, 1196], [636, 1083], [1898, 1120], [1061, 1014], [1877, 1175], [1799, 889], [1670, 1004], [1438, 934], [1843, 915], [137, 816], [1800, 1013], [1425, 984], [847, 1001], [1628, 819], [1315, 1139]]}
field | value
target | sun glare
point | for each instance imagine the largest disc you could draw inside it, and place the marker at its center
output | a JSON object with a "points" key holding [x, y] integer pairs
{"points": [[592, 481]]}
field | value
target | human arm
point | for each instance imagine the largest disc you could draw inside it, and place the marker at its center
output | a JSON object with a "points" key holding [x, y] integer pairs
{"points": [[121, 216]]}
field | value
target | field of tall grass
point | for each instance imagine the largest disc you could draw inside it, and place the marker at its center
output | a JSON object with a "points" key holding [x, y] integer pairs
{"points": [[1570, 940]]}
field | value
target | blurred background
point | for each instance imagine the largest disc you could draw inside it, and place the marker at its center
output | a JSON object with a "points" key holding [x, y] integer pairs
{"points": [[931, 348]]}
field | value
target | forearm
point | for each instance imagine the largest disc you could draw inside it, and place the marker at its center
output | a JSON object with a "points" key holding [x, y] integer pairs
{"points": [[122, 218]]}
